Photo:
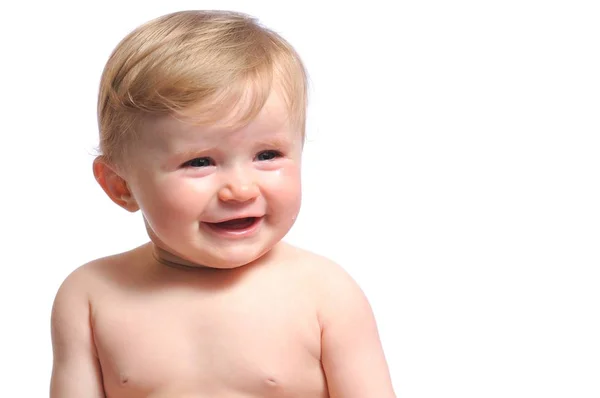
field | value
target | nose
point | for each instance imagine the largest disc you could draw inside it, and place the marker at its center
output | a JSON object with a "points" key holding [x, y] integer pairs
{"points": [[239, 187]]}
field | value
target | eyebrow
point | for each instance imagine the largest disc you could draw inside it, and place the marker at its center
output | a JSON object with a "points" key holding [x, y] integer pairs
{"points": [[277, 141], [191, 153]]}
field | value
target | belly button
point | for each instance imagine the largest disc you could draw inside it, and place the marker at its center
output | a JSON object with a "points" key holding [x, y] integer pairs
{"points": [[124, 379]]}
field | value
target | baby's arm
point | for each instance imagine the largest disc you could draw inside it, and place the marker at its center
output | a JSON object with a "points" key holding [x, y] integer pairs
{"points": [[352, 354], [76, 370]]}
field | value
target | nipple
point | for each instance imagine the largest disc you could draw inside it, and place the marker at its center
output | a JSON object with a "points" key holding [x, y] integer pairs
{"points": [[271, 382]]}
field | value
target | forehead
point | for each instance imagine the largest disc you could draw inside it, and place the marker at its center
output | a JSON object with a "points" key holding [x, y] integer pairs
{"points": [[171, 132]]}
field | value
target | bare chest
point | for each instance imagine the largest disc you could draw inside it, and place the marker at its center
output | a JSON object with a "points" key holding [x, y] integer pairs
{"points": [[205, 345]]}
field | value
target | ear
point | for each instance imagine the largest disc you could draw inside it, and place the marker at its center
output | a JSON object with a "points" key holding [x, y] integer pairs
{"points": [[114, 185]]}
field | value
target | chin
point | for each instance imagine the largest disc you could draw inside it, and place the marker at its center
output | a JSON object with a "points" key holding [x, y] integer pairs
{"points": [[238, 257], [219, 253]]}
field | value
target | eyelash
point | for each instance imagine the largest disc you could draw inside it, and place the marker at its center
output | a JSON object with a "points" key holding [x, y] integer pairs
{"points": [[190, 162], [276, 154]]}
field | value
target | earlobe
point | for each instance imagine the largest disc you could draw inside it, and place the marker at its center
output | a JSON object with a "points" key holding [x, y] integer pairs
{"points": [[114, 185]]}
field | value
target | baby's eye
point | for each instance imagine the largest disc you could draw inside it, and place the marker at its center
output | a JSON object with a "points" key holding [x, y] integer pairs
{"points": [[199, 162], [268, 155]]}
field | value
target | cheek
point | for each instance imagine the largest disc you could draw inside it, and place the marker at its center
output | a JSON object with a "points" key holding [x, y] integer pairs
{"points": [[174, 198], [283, 187]]}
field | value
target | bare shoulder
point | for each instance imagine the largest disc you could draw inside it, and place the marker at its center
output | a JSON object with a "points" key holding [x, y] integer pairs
{"points": [[78, 283], [73, 304], [328, 279], [351, 351], [76, 369], [86, 274], [308, 260], [71, 307], [310, 263], [86, 280]]}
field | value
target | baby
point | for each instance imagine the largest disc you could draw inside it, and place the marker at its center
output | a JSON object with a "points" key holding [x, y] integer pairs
{"points": [[202, 118]]}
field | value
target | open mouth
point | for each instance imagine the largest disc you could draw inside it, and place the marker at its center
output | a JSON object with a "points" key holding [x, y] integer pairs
{"points": [[237, 227], [235, 224]]}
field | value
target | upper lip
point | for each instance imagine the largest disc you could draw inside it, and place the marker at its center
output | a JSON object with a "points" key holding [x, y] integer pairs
{"points": [[234, 218]]}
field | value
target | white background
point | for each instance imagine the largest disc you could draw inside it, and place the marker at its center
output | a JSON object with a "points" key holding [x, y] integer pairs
{"points": [[452, 167]]}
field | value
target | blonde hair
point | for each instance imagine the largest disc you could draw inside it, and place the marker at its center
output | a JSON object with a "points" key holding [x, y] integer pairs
{"points": [[211, 61]]}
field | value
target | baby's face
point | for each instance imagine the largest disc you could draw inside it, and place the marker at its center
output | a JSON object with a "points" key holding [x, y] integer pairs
{"points": [[219, 197]]}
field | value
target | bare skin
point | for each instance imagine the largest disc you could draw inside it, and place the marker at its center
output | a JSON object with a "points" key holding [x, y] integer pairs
{"points": [[130, 326]]}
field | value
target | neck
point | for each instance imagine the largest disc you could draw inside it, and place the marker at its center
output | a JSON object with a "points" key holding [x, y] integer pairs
{"points": [[166, 258]]}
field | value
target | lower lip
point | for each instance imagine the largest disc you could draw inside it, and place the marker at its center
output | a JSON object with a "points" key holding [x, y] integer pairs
{"points": [[235, 233]]}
